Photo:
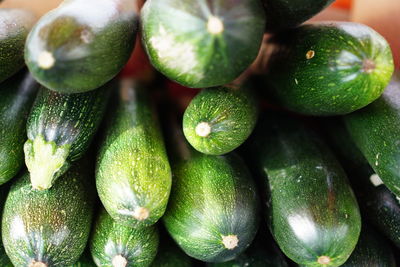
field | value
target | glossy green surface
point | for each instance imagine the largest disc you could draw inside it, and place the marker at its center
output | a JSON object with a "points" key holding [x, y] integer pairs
{"points": [[15, 25], [170, 255], [81, 45], [200, 43], [133, 175], [51, 226], [375, 130], [16, 97], [283, 14], [116, 245], [229, 115], [213, 209], [60, 129], [311, 209], [328, 68]]}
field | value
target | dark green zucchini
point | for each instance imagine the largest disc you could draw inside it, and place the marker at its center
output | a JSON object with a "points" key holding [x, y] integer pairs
{"points": [[202, 43], [116, 245], [81, 45], [311, 209], [15, 25], [60, 129], [48, 228], [84, 261], [170, 255], [16, 98], [133, 175], [284, 14], [328, 68], [218, 120], [4, 260], [375, 130]]}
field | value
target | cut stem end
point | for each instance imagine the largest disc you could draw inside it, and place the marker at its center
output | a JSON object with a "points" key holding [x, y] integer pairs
{"points": [[324, 260], [215, 25], [203, 129], [46, 60], [119, 261], [141, 214], [37, 264], [230, 241], [368, 66]]}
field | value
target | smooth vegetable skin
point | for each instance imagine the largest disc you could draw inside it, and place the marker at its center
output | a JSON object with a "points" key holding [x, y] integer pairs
{"points": [[213, 209], [16, 97], [375, 130], [81, 45], [4, 260], [60, 128], [220, 119], [328, 68], [48, 228], [284, 14], [116, 245], [133, 175], [311, 209], [15, 25], [200, 43]]}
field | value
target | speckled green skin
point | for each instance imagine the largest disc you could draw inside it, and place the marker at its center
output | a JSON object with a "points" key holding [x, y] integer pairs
{"points": [[16, 97], [137, 245], [169, 255], [132, 167], [375, 130], [66, 121], [175, 36], [283, 14], [311, 209], [212, 197], [331, 81], [15, 25], [4, 260], [231, 113], [50, 226], [371, 251], [90, 41]]}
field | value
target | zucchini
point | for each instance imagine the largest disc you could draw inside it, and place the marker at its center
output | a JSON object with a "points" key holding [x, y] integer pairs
{"points": [[202, 43], [84, 261], [60, 128], [51, 227], [328, 68], [133, 161], [218, 120], [311, 209], [81, 45], [284, 14], [16, 97], [117, 245], [213, 209], [170, 255], [15, 25], [375, 131], [4, 260]]}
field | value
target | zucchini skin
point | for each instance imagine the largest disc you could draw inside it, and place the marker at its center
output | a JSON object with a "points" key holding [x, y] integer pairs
{"points": [[4, 260], [311, 209], [284, 14], [133, 161], [330, 68], [16, 98], [81, 45], [51, 226], [15, 25], [380, 122], [230, 113], [84, 261], [213, 205], [208, 43], [136, 246], [60, 129], [170, 255]]}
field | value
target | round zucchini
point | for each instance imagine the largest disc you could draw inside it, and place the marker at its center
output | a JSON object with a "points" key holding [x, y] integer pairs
{"points": [[200, 43]]}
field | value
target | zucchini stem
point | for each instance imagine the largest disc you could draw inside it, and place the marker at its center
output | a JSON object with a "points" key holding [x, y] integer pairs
{"points": [[203, 129], [230, 241], [46, 60], [119, 261], [324, 260], [37, 264], [215, 25]]}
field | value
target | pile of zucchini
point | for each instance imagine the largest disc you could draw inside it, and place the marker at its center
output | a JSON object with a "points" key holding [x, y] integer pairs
{"points": [[288, 156]]}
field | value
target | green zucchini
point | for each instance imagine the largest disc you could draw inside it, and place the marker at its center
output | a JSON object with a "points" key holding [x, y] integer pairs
{"points": [[133, 175], [60, 128], [218, 120], [170, 255], [311, 209], [117, 245], [284, 14], [4, 260], [81, 45], [328, 68], [15, 25], [84, 261], [375, 131], [202, 43], [16, 97], [371, 251], [51, 227]]}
